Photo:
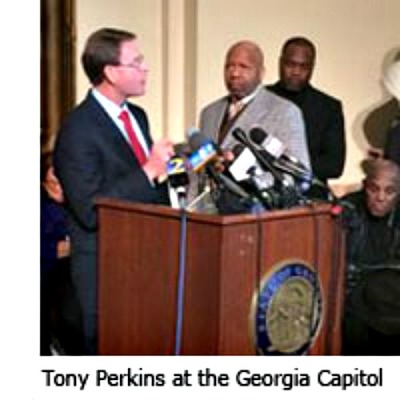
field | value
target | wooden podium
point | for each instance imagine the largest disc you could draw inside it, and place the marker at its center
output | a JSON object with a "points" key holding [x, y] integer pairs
{"points": [[229, 259]]}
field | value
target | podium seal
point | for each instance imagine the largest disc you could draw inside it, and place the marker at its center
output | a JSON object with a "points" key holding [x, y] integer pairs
{"points": [[286, 310]]}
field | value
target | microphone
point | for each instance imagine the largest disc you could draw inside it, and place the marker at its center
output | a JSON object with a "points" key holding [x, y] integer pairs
{"points": [[276, 149], [283, 161], [177, 173], [289, 193], [178, 177], [205, 151], [243, 162], [264, 159]]}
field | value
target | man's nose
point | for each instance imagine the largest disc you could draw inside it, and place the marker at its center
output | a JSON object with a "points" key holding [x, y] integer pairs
{"points": [[381, 195], [296, 70]]}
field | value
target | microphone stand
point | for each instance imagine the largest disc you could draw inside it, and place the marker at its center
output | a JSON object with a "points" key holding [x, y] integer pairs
{"points": [[181, 276]]}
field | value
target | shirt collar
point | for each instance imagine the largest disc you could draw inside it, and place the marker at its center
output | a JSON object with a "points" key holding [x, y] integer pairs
{"points": [[112, 109], [247, 99]]}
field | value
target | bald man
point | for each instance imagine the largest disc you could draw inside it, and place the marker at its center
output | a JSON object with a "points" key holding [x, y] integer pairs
{"points": [[248, 104]]}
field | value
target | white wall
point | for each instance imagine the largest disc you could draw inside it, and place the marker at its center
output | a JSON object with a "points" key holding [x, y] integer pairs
{"points": [[354, 39]]}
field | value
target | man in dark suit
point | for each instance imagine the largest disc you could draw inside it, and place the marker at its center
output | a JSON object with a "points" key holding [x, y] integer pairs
{"points": [[104, 149], [323, 115]]}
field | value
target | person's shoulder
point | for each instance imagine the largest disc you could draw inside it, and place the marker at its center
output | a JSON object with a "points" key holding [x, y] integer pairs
{"points": [[272, 87], [81, 110], [324, 97], [353, 206], [82, 121], [356, 198], [278, 105], [275, 100], [214, 104]]}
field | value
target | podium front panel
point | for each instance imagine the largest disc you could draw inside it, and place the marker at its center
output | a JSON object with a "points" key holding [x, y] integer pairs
{"points": [[227, 261]]}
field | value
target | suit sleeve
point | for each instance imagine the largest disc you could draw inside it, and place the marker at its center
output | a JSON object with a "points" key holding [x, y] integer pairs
{"points": [[81, 168], [330, 161], [295, 135]]}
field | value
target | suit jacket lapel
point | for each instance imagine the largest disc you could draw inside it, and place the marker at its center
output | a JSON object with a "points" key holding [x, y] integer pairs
{"points": [[245, 121], [109, 130], [142, 124], [216, 121]]}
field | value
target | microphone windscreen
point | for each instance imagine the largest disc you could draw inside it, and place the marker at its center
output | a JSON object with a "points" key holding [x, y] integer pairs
{"points": [[270, 143], [240, 136], [238, 148], [192, 131], [257, 135], [197, 140]]}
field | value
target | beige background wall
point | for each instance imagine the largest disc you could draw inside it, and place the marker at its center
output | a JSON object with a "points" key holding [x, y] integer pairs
{"points": [[184, 42]]}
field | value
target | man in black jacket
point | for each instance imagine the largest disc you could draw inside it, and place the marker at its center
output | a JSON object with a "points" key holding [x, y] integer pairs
{"points": [[372, 307], [323, 115]]}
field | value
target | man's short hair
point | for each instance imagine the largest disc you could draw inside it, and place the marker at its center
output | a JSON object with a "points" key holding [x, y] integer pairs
{"points": [[300, 41], [103, 48], [376, 166]]}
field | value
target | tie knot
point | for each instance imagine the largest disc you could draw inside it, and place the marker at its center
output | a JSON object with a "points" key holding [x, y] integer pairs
{"points": [[234, 108], [124, 116]]}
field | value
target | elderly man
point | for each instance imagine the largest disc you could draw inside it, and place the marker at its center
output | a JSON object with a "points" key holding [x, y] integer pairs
{"points": [[372, 309], [248, 105]]}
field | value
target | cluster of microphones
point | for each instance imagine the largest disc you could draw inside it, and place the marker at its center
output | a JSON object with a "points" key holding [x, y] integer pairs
{"points": [[261, 174]]}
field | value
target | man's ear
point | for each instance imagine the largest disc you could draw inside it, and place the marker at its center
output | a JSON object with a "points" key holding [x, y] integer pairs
{"points": [[109, 73], [261, 73]]}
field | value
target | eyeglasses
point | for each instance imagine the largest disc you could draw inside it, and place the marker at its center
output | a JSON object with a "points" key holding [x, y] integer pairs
{"points": [[138, 63]]}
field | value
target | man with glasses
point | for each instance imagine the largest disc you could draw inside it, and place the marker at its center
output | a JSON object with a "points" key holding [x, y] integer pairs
{"points": [[104, 149]]}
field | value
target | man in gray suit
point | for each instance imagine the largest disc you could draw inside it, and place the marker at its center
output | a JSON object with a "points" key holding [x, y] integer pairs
{"points": [[248, 105]]}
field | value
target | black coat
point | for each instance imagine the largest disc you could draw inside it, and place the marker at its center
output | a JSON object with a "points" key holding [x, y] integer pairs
{"points": [[324, 122]]}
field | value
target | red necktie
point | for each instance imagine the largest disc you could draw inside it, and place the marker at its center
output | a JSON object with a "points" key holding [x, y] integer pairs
{"points": [[134, 142]]}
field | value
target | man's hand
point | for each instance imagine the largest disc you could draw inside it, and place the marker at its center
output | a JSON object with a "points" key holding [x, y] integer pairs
{"points": [[63, 248], [161, 152], [221, 162]]}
